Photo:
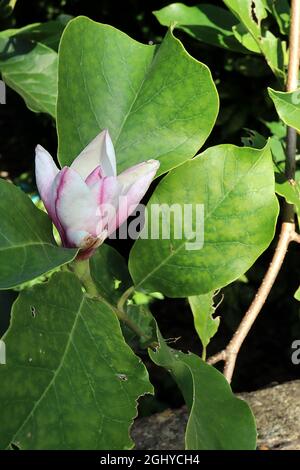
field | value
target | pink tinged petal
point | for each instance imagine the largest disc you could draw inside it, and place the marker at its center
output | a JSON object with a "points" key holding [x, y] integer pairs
{"points": [[106, 193], [51, 205], [132, 186], [76, 209], [100, 151], [95, 176], [45, 173], [107, 190], [47, 179]]}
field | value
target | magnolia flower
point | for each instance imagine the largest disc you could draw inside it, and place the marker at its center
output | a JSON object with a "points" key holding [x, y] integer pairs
{"points": [[88, 201]]}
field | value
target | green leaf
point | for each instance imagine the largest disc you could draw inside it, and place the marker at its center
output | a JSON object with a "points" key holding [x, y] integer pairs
{"points": [[157, 102], [48, 33], [287, 105], [290, 191], [277, 128], [206, 23], [27, 246], [218, 420], [110, 273], [235, 188], [282, 14], [70, 382], [6, 7], [143, 318], [253, 139], [245, 38], [111, 276], [202, 307], [297, 294], [251, 14], [31, 70]]}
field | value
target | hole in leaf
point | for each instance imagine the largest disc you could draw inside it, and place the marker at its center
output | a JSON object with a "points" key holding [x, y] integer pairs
{"points": [[122, 377], [117, 284], [253, 13], [33, 311]]}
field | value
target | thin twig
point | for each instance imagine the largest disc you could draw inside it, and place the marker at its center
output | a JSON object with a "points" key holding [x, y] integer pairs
{"points": [[287, 233], [291, 85], [124, 297], [229, 354], [220, 356]]}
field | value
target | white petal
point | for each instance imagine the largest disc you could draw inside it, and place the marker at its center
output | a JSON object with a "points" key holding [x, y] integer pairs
{"points": [[99, 151], [76, 208], [45, 173], [132, 186]]}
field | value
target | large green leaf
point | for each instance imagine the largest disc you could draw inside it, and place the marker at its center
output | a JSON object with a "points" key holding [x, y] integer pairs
{"points": [[297, 294], [31, 70], [218, 420], [27, 246], [287, 105], [236, 188], [207, 23], [202, 307], [70, 382], [157, 102], [251, 14]]}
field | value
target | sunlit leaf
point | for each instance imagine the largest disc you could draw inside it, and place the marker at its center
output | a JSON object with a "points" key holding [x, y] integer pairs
{"points": [[235, 188], [157, 102]]}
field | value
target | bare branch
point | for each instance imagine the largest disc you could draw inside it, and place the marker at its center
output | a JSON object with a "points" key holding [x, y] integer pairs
{"points": [[296, 237], [221, 356], [259, 300]]}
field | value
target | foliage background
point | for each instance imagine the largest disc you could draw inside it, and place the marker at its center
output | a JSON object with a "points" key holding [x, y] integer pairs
{"points": [[242, 85]]}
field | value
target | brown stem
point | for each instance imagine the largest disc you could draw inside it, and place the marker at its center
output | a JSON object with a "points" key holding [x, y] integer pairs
{"points": [[294, 47], [287, 233], [220, 356], [291, 85], [229, 354], [296, 237]]}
